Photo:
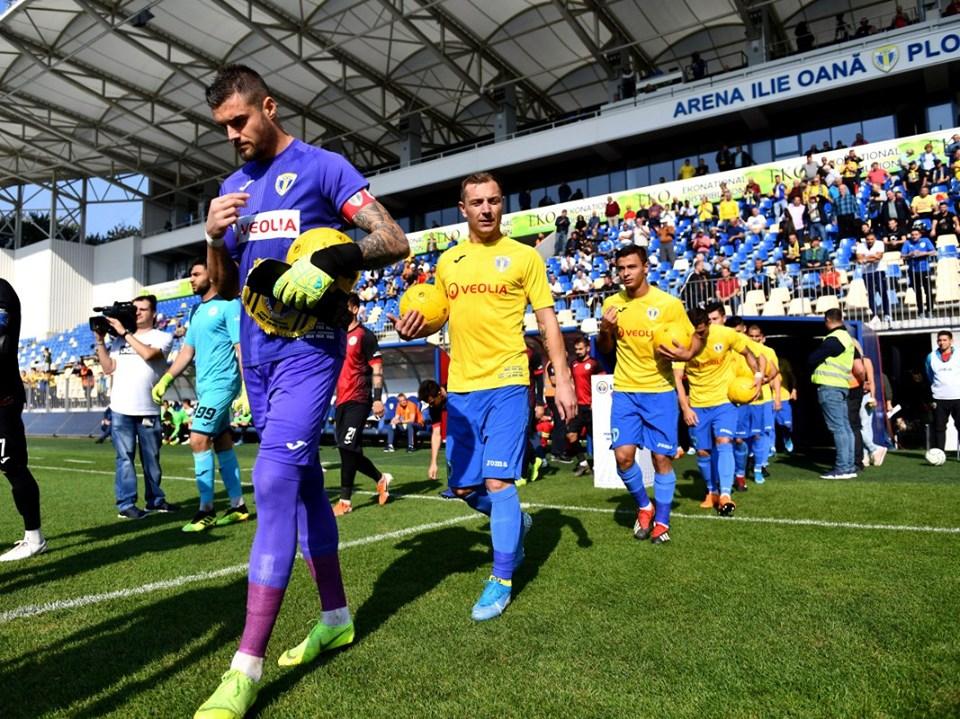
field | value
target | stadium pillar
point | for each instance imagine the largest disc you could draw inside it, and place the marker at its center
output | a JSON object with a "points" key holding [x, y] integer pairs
{"points": [[410, 135], [505, 123]]}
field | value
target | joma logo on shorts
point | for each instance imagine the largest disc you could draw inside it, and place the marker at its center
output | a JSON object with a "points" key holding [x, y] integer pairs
{"points": [[496, 463]]}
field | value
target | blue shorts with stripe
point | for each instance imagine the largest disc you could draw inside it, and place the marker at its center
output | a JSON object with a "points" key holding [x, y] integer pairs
{"points": [[645, 419], [717, 421], [761, 418], [486, 434], [744, 420], [212, 416], [784, 415]]}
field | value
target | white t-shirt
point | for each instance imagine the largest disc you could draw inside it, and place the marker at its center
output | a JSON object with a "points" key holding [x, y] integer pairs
{"points": [[133, 378], [867, 253], [757, 224]]}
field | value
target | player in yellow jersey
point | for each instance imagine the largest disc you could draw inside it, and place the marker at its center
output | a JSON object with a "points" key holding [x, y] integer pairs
{"points": [[712, 418], [644, 412], [488, 282], [764, 408]]}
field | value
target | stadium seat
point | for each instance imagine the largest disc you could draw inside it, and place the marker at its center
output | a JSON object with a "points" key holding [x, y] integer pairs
{"points": [[948, 280], [590, 326], [772, 308], [780, 294], [748, 309], [826, 302], [946, 241], [800, 306], [530, 321], [856, 298], [755, 298]]}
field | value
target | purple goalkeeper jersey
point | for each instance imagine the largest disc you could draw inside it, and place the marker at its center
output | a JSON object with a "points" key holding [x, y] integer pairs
{"points": [[301, 188]]}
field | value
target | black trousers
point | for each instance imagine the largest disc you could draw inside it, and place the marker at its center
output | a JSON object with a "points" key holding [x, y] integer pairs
{"points": [[13, 464], [854, 400], [945, 408]]}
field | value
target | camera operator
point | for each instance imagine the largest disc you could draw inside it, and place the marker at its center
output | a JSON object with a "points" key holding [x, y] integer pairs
{"points": [[13, 439], [136, 360]]}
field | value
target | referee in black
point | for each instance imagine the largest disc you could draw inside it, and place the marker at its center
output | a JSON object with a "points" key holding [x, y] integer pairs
{"points": [[13, 438]]}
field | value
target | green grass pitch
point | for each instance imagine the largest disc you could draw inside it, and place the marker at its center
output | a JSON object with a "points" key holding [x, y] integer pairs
{"points": [[818, 600]]}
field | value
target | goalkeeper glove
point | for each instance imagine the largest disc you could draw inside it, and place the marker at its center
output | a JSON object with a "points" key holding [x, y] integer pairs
{"points": [[305, 283], [160, 388], [241, 405]]}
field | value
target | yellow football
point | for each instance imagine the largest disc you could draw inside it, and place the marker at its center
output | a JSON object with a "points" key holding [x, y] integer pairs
{"points": [[741, 390], [665, 335], [429, 301], [317, 239]]}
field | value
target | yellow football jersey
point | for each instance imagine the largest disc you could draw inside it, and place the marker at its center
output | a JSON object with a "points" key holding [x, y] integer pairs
{"points": [[640, 368], [766, 393], [710, 372], [488, 287]]}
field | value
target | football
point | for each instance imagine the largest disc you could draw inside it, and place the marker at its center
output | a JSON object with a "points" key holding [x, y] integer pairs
{"points": [[665, 335], [741, 390], [317, 239], [935, 456], [429, 301]]}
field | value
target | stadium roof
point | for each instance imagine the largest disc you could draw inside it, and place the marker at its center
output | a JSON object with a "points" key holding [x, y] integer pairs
{"points": [[94, 88]]}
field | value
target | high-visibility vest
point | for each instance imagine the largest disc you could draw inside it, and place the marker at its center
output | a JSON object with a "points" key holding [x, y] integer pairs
{"points": [[835, 371]]}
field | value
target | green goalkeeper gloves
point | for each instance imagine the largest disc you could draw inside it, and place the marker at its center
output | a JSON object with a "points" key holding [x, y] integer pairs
{"points": [[303, 285], [161, 387]]}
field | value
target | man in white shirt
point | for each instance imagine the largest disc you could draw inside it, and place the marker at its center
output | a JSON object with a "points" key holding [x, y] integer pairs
{"points": [[869, 255], [943, 371], [756, 223], [137, 361], [582, 283]]}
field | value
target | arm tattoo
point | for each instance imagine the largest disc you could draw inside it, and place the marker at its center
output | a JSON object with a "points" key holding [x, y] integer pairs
{"points": [[386, 242]]}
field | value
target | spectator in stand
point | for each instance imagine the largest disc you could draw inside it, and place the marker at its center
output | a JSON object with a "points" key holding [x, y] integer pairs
{"points": [[848, 213], [698, 67], [729, 209], [917, 251], [858, 140], [841, 32], [939, 174], [612, 212], [893, 236], [705, 212], [952, 147], [815, 217], [581, 284], [778, 193], [580, 225], [556, 289], [952, 9], [668, 254], [702, 168], [869, 256], [810, 168], [900, 19], [524, 199], [724, 159], [815, 256], [944, 222], [793, 250], [687, 170], [894, 207], [851, 171], [702, 244], [564, 192], [728, 289], [877, 175], [804, 37], [698, 288], [594, 222], [562, 225], [782, 278], [943, 372], [913, 178], [927, 158], [546, 200], [630, 214], [864, 28], [797, 214], [795, 191], [742, 158], [407, 418], [830, 279], [760, 280], [923, 205], [756, 223]]}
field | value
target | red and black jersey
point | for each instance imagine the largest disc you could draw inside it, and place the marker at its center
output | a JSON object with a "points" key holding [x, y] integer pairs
{"points": [[535, 369], [363, 353], [582, 371]]}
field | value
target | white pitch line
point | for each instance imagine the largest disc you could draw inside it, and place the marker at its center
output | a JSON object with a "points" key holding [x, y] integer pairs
{"points": [[784, 521], [79, 461], [33, 610]]}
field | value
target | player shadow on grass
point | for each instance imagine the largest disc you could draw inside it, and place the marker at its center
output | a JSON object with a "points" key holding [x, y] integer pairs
{"points": [[123, 659], [427, 560], [132, 539], [542, 542], [690, 485]]}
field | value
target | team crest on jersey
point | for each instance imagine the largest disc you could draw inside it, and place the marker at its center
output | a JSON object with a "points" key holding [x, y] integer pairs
{"points": [[501, 262], [352, 341], [884, 58], [212, 312], [653, 313], [718, 347], [284, 182]]}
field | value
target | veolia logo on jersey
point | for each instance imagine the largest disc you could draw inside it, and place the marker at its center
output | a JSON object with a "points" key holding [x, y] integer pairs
{"points": [[454, 290], [272, 225]]}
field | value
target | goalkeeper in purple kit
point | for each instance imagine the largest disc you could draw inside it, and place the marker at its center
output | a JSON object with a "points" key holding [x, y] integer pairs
{"points": [[291, 360]]}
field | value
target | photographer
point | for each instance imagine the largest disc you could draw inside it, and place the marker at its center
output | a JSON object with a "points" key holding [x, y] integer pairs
{"points": [[136, 359]]}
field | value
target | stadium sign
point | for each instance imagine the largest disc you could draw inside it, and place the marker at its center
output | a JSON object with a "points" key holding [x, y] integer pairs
{"points": [[828, 73]]}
